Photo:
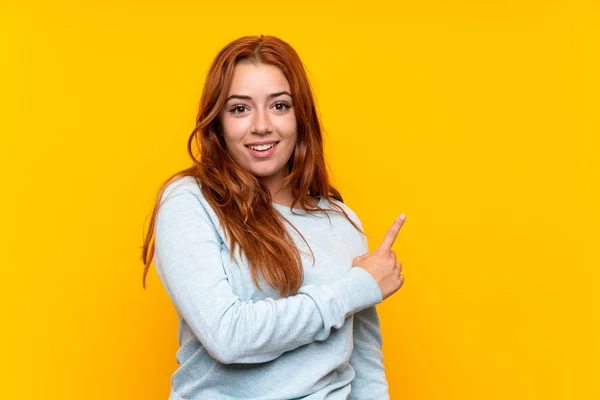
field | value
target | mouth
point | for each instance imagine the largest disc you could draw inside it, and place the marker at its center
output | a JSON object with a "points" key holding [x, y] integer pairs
{"points": [[263, 150]]}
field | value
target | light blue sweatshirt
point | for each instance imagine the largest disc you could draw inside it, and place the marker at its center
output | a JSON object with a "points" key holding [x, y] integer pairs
{"points": [[237, 342]]}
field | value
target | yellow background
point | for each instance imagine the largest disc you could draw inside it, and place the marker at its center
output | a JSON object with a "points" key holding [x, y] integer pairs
{"points": [[478, 119]]}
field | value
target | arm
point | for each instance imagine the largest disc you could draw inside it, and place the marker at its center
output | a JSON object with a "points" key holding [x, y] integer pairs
{"points": [[367, 358], [234, 331]]}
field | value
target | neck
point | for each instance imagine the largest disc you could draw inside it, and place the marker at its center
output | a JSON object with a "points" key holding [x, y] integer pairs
{"points": [[279, 194]]}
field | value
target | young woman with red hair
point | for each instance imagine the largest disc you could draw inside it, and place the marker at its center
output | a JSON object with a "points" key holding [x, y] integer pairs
{"points": [[274, 302]]}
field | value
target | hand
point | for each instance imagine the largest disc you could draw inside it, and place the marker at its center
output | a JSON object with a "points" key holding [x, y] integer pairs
{"points": [[382, 264]]}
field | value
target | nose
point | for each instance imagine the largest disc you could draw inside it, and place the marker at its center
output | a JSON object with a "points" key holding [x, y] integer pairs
{"points": [[261, 122]]}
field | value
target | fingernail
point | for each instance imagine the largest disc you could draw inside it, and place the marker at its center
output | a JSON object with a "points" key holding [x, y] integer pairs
{"points": [[402, 217]]}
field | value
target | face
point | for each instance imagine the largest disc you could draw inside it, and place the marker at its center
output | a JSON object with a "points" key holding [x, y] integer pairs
{"points": [[258, 120]]}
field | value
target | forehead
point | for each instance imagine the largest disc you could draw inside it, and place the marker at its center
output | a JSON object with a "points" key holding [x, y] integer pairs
{"points": [[257, 79]]}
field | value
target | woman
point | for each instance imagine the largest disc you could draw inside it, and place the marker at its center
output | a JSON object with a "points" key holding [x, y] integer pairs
{"points": [[274, 302]]}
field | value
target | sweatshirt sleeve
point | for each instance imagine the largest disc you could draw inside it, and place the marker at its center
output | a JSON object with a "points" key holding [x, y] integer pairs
{"points": [[188, 262], [367, 358]]}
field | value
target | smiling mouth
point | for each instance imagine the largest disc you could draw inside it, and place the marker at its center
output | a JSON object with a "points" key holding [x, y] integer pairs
{"points": [[262, 147]]}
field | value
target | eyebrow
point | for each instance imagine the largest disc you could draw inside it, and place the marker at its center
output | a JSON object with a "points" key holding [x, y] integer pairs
{"points": [[270, 96]]}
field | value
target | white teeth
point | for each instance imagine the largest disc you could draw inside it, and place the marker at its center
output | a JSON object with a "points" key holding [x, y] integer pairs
{"points": [[262, 147]]}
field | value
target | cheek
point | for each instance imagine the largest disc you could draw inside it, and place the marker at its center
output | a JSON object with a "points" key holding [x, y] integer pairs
{"points": [[287, 127], [234, 130]]}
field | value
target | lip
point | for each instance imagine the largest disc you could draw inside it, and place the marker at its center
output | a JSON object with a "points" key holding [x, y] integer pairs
{"points": [[263, 154]]}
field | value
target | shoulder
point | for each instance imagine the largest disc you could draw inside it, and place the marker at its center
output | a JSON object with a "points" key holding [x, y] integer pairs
{"points": [[184, 195], [183, 185], [183, 206], [353, 216], [357, 240]]}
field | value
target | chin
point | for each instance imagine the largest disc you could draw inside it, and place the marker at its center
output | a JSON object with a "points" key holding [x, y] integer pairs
{"points": [[265, 172]]}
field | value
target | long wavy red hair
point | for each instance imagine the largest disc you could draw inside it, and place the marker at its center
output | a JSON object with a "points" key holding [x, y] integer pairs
{"points": [[242, 203]]}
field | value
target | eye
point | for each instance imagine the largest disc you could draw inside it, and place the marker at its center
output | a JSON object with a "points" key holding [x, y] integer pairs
{"points": [[238, 109], [282, 106]]}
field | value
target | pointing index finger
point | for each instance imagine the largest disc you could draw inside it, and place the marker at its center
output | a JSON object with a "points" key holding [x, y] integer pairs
{"points": [[392, 233]]}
